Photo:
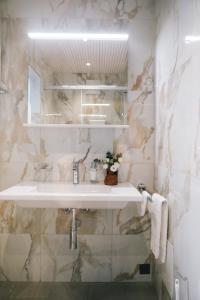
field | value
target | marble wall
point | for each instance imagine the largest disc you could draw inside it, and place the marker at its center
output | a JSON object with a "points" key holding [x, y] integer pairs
{"points": [[34, 242], [178, 139]]}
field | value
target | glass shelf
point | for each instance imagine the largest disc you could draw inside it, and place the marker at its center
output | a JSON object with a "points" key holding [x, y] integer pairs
{"points": [[74, 126], [88, 87]]}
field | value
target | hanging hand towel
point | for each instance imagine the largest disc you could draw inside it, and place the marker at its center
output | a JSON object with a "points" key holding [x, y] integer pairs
{"points": [[163, 234], [159, 221]]}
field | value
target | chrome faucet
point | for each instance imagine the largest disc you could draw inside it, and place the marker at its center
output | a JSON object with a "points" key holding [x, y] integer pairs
{"points": [[76, 167], [75, 172]]}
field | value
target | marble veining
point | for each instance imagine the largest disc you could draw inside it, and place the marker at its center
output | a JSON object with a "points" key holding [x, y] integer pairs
{"points": [[34, 242], [177, 139]]}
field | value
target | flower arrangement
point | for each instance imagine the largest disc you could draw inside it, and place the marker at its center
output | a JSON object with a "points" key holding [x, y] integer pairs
{"points": [[112, 162]]}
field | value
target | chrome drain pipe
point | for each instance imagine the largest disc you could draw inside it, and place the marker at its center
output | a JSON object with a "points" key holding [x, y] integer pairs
{"points": [[75, 223], [73, 232]]}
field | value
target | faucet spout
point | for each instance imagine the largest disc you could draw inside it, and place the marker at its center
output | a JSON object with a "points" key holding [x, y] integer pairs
{"points": [[76, 167], [75, 172]]}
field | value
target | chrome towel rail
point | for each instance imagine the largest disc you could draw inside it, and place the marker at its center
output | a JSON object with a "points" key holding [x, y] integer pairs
{"points": [[141, 188]]}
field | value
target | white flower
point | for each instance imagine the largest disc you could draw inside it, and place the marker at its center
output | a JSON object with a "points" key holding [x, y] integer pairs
{"points": [[113, 168], [120, 159], [107, 159], [105, 166], [117, 165]]}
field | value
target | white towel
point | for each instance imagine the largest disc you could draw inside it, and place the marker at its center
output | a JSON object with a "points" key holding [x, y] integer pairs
{"points": [[158, 209], [143, 205]]}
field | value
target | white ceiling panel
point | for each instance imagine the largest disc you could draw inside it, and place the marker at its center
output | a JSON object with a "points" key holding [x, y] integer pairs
{"points": [[72, 56]]}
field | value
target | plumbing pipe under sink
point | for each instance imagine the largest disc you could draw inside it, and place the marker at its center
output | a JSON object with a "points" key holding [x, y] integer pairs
{"points": [[73, 239], [73, 231], [73, 243]]}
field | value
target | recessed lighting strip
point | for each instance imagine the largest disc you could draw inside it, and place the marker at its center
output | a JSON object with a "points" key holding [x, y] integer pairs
{"points": [[78, 36]]}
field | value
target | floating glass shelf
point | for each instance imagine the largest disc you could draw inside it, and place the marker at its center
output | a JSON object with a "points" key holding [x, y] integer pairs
{"points": [[88, 87], [74, 126]]}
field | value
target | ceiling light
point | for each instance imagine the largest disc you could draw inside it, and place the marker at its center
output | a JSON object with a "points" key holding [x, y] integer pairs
{"points": [[95, 104], [88, 64], [192, 38], [78, 36]]}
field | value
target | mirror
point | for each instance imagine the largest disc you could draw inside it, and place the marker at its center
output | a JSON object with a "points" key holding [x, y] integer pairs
{"points": [[77, 81]]}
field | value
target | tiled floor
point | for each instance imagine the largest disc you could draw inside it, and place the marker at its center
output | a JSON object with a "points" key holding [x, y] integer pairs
{"points": [[76, 291]]}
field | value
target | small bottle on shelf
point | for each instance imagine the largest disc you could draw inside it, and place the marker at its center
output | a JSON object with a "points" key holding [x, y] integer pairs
{"points": [[93, 172]]}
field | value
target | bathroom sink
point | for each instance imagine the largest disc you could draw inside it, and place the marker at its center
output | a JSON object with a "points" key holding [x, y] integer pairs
{"points": [[66, 195], [71, 188]]}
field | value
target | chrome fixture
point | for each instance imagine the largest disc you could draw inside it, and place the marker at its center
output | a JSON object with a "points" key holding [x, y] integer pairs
{"points": [[75, 223], [73, 231], [73, 243], [76, 167], [75, 172], [141, 188]]}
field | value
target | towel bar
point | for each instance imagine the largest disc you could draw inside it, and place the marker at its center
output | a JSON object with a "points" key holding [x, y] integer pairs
{"points": [[141, 188]]}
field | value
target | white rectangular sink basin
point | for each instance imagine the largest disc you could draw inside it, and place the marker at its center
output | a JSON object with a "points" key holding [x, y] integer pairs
{"points": [[65, 195]]}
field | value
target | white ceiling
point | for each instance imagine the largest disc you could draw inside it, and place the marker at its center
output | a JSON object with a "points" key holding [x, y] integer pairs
{"points": [[72, 56]]}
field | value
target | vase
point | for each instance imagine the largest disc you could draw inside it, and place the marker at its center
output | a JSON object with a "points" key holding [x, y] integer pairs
{"points": [[111, 178]]}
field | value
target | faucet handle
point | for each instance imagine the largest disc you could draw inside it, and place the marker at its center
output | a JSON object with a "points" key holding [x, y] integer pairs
{"points": [[75, 164]]}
